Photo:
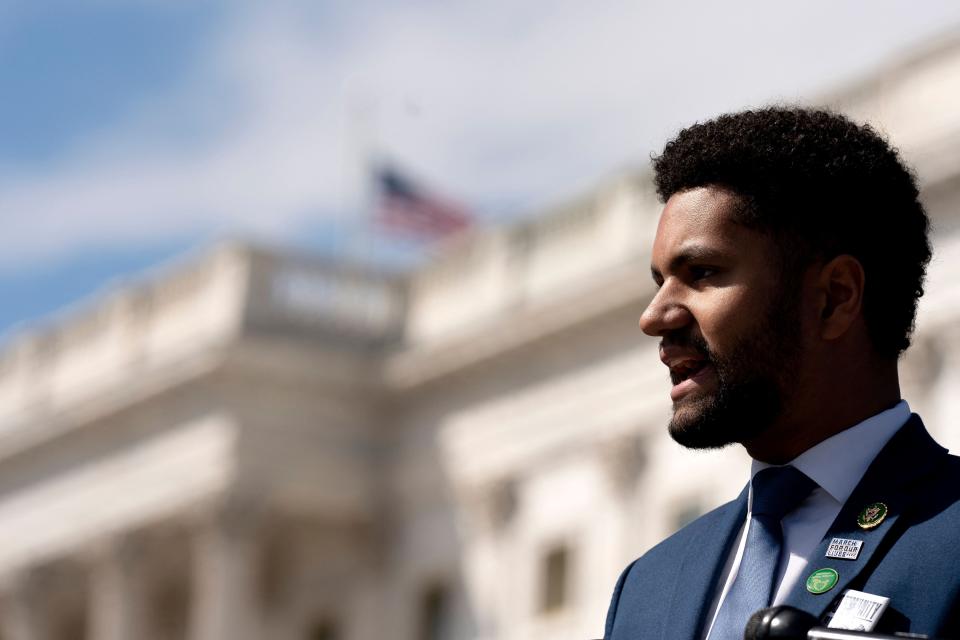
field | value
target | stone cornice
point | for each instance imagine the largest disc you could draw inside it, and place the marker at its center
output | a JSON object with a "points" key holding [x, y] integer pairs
{"points": [[605, 292]]}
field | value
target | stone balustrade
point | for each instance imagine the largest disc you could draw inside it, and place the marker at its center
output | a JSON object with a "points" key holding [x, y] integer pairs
{"points": [[165, 327]]}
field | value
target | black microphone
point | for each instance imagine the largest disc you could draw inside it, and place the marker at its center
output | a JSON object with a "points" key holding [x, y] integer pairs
{"points": [[790, 623], [779, 623]]}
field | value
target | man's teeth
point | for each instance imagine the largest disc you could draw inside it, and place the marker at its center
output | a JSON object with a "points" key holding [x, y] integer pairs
{"points": [[686, 370]]}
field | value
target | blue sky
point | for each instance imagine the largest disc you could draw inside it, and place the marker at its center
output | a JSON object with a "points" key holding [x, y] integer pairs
{"points": [[133, 131], [75, 69]]}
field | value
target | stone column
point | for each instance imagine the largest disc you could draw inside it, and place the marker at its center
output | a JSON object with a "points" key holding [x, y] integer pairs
{"points": [[225, 578], [623, 460], [117, 595], [22, 617], [489, 510]]}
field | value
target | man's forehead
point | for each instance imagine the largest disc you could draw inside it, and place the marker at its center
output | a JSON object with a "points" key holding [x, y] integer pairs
{"points": [[696, 219], [698, 208]]}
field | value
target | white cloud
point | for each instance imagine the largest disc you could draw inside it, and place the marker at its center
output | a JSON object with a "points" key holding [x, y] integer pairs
{"points": [[491, 101]]}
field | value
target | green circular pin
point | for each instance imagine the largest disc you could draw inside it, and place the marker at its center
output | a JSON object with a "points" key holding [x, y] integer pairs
{"points": [[872, 515], [822, 580]]}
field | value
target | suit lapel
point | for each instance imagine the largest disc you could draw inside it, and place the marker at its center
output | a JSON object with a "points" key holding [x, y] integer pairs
{"points": [[911, 453], [696, 580]]}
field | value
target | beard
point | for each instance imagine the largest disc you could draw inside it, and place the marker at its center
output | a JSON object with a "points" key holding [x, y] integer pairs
{"points": [[753, 382]]}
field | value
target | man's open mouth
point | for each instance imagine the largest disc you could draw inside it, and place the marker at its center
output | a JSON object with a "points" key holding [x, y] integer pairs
{"points": [[687, 369]]}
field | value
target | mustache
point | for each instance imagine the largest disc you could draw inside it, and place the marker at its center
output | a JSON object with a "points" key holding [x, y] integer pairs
{"points": [[686, 339]]}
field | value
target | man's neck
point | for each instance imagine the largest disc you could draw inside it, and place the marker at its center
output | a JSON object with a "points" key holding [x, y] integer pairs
{"points": [[818, 418]]}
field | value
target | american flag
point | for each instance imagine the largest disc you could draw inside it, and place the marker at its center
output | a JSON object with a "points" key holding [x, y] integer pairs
{"points": [[404, 207]]}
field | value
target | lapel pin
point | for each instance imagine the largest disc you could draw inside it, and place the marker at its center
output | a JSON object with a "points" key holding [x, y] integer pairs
{"points": [[872, 515], [844, 548], [822, 580]]}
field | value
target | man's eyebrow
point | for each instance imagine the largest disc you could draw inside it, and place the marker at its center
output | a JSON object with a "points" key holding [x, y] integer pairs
{"points": [[686, 255]]}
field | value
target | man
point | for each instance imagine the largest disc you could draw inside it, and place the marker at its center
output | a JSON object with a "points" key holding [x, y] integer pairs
{"points": [[789, 259]]}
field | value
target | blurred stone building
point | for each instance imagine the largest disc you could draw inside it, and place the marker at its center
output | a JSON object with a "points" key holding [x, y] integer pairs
{"points": [[257, 444]]}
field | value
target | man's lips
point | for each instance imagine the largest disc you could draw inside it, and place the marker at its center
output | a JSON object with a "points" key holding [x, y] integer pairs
{"points": [[695, 380], [689, 369]]}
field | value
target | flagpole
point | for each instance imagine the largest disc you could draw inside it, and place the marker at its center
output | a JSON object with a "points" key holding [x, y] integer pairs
{"points": [[359, 253]]}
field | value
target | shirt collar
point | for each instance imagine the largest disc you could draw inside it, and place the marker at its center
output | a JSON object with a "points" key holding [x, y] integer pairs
{"points": [[837, 463]]}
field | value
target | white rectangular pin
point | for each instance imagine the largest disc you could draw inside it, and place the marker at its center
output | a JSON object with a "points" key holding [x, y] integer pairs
{"points": [[844, 548], [858, 611]]}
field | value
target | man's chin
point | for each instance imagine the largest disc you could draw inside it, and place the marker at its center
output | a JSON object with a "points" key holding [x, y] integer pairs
{"points": [[705, 423], [698, 434]]}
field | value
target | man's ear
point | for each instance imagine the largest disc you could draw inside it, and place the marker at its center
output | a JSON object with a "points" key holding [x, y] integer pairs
{"points": [[841, 285]]}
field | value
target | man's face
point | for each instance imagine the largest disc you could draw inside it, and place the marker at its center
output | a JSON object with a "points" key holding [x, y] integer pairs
{"points": [[729, 325]]}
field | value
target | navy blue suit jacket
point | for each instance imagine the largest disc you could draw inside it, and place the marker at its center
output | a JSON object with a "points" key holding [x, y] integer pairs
{"points": [[912, 557]]}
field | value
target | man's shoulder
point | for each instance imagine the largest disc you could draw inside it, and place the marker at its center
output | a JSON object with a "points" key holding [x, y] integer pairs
{"points": [[938, 494], [949, 468], [924, 469]]}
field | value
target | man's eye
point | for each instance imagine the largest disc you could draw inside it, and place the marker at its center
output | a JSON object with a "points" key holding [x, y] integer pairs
{"points": [[699, 273]]}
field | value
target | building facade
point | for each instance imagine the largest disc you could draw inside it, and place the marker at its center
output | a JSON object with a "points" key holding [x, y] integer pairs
{"points": [[258, 444]]}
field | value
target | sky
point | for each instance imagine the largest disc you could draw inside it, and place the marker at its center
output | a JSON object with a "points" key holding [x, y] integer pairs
{"points": [[135, 131]]}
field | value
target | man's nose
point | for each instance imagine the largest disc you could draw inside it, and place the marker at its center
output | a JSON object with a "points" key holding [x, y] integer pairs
{"points": [[664, 315]]}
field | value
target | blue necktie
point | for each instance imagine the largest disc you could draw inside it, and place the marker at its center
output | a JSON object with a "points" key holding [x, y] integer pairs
{"points": [[776, 492]]}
